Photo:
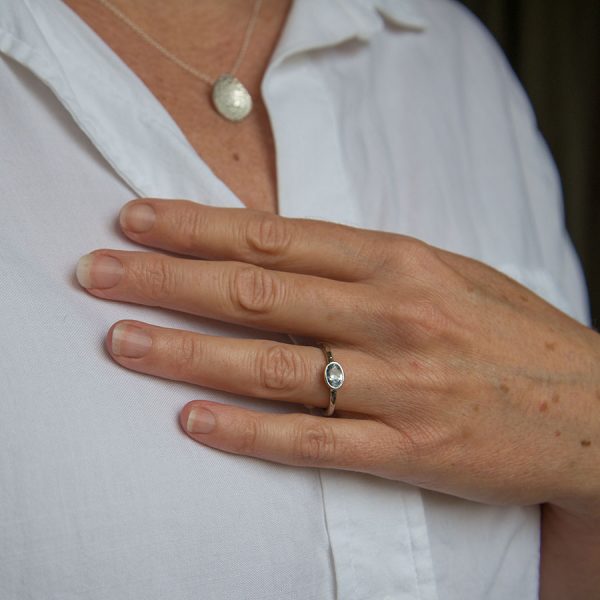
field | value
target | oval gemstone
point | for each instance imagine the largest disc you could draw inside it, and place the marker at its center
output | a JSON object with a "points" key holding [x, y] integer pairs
{"points": [[231, 98], [334, 375]]}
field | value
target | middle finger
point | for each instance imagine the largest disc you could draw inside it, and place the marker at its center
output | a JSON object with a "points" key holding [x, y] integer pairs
{"points": [[234, 292]]}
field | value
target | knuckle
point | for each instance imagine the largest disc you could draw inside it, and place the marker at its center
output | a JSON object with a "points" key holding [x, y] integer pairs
{"points": [[414, 255], [158, 280], [426, 310], [186, 353], [281, 369], [422, 447], [190, 224], [255, 290], [268, 234], [434, 319], [417, 249], [247, 438], [315, 444], [421, 321], [424, 314]]}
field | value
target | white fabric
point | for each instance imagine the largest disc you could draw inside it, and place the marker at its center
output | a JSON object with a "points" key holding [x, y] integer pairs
{"points": [[405, 119]]}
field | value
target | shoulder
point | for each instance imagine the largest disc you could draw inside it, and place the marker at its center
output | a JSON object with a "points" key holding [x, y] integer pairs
{"points": [[453, 36], [453, 22], [466, 57]]}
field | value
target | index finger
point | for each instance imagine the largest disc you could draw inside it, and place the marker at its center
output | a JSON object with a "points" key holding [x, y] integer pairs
{"points": [[294, 245]]}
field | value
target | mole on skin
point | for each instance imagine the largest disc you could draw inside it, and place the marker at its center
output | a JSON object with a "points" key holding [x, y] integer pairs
{"points": [[586, 443], [236, 156], [543, 407], [557, 433], [504, 388], [550, 346]]}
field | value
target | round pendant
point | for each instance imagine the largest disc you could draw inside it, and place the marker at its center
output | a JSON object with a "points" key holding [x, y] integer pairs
{"points": [[231, 98]]}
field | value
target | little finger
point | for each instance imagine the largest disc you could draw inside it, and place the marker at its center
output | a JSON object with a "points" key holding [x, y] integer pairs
{"points": [[296, 439]]}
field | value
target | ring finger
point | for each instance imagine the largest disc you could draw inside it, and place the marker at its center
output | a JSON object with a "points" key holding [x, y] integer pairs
{"points": [[256, 368]]}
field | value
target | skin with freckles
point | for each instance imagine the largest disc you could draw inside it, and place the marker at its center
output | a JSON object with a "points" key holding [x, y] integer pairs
{"points": [[450, 387], [459, 380]]}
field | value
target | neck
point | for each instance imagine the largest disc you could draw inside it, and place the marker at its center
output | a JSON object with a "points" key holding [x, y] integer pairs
{"points": [[205, 35]]}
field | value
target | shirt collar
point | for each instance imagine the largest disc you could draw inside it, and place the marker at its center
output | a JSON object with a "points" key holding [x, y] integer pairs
{"points": [[404, 13], [33, 33], [315, 24], [407, 14], [91, 82]]}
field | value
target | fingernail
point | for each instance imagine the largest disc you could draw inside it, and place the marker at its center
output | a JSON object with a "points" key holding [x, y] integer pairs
{"points": [[137, 218], [130, 341], [98, 271], [200, 420]]}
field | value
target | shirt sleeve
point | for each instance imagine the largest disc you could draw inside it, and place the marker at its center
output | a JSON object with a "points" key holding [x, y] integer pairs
{"points": [[556, 272], [560, 280]]}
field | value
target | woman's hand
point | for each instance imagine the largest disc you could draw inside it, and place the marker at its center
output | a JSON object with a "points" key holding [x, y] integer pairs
{"points": [[458, 379]]}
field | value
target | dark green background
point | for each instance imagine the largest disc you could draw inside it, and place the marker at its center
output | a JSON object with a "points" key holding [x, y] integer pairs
{"points": [[554, 47]]}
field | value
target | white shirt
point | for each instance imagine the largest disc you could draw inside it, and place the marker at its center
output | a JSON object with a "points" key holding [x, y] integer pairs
{"points": [[389, 114]]}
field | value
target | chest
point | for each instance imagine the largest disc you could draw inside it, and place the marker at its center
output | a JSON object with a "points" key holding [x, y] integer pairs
{"points": [[242, 154]]}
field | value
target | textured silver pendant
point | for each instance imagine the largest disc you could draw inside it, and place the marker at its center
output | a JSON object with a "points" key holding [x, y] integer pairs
{"points": [[231, 98]]}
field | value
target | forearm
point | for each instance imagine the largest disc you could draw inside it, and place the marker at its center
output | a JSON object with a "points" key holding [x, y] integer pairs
{"points": [[570, 556]]}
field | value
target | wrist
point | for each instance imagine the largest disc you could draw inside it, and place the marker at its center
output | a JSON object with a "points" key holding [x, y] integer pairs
{"points": [[570, 554], [574, 501], [581, 525]]}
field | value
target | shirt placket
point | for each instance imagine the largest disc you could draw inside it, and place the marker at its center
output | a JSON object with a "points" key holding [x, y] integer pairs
{"points": [[377, 528]]}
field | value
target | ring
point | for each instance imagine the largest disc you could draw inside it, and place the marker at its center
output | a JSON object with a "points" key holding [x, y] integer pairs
{"points": [[334, 378]]}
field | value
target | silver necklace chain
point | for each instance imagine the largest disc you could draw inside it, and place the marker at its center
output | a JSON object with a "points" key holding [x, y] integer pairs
{"points": [[230, 97]]}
